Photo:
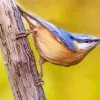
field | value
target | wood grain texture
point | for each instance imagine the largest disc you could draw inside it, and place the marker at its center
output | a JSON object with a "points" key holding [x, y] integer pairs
{"points": [[17, 54]]}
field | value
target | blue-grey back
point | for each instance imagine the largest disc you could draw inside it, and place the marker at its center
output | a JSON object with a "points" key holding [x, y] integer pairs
{"points": [[65, 37]]}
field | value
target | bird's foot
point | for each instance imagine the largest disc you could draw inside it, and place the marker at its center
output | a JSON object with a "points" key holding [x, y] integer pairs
{"points": [[40, 82], [24, 34], [41, 78]]}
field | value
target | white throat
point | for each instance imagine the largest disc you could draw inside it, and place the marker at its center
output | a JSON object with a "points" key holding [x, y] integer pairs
{"points": [[86, 46]]}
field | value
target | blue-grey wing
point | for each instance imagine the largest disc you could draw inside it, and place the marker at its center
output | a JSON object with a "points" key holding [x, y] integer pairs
{"points": [[63, 36]]}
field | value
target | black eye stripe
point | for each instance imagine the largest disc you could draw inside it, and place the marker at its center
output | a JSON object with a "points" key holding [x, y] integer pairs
{"points": [[86, 40]]}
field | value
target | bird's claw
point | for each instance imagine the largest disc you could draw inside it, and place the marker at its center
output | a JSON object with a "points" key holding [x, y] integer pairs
{"points": [[25, 34], [40, 82], [41, 79]]}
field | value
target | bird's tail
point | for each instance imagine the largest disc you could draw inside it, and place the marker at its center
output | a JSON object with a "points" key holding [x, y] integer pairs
{"points": [[23, 13], [30, 18]]}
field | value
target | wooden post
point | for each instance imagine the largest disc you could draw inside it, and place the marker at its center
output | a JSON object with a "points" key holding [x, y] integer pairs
{"points": [[17, 54]]}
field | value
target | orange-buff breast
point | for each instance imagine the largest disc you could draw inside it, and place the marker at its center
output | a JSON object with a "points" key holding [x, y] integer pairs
{"points": [[55, 52]]}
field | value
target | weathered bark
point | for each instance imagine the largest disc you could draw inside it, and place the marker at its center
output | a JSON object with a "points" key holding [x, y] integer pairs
{"points": [[17, 54]]}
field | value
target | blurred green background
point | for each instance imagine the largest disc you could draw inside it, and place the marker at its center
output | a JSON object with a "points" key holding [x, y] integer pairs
{"points": [[80, 82]]}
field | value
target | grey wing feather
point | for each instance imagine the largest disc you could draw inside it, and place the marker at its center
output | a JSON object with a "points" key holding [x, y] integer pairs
{"points": [[61, 35]]}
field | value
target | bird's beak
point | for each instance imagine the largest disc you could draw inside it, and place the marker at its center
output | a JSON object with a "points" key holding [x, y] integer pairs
{"points": [[98, 42]]}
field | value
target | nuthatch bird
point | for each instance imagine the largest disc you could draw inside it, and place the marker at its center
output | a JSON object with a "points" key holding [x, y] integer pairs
{"points": [[56, 45]]}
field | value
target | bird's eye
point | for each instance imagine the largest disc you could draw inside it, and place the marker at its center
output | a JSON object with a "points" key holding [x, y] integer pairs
{"points": [[86, 41]]}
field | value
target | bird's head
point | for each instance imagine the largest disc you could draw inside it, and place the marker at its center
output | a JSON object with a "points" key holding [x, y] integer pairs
{"points": [[86, 42]]}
